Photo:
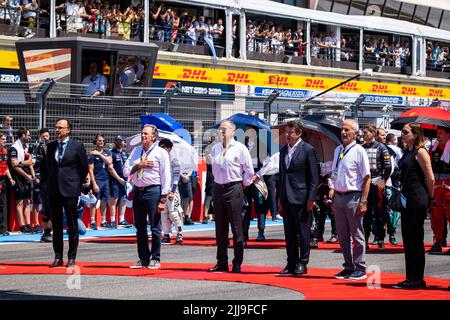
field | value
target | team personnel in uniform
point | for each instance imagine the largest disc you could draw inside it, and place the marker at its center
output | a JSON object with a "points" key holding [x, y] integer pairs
{"points": [[232, 168], [440, 206], [172, 213], [5, 176], [149, 168], [380, 170], [21, 165], [40, 197], [118, 182], [99, 161]]}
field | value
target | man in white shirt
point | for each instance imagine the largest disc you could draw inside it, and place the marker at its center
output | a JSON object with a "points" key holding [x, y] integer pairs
{"points": [[349, 190], [149, 168], [232, 168], [96, 82]]}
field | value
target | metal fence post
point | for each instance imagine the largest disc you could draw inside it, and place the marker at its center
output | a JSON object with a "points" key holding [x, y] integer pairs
{"points": [[41, 96]]}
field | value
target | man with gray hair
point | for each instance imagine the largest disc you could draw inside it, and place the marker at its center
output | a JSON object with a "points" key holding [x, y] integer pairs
{"points": [[232, 169], [349, 190]]}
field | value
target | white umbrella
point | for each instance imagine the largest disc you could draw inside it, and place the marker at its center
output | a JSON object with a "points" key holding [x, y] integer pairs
{"points": [[185, 153]]}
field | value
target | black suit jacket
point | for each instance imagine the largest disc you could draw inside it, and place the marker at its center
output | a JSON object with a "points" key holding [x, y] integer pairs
{"points": [[67, 177], [298, 183]]}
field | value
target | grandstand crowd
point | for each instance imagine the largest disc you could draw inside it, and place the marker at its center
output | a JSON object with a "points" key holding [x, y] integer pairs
{"points": [[177, 25]]}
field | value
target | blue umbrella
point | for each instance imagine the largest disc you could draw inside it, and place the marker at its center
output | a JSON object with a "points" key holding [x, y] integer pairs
{"points": [[241, 119], [166, 123]]}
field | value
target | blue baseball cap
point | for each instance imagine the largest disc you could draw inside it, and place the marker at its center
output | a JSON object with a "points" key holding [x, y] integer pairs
{"points": [[119, 138]]}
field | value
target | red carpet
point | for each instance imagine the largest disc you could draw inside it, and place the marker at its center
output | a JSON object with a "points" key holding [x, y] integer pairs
{"points": [[319, 284], [252, 244]]}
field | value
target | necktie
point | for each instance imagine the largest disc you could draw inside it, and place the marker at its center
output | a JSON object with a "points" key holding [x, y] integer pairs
{"points": [[60, 151], [290, 156]]}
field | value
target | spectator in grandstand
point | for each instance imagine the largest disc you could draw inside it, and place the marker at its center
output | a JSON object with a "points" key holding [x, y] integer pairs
{"points": [[345, 52], [134, 71], [380, 170], [117, 182], [108, 17], [298, 43], [172, 213], [201, 29], [149, 167], [6, 126], [190, 34], [125, 21], [217, 32], [418, 189], [30, 10], [315, 46], [349, 189], [5, 177], [251, 36], [277, 40], [154, 20], [21, 167], [96, 82], [175, 26], [15, 15], [99, 161]]}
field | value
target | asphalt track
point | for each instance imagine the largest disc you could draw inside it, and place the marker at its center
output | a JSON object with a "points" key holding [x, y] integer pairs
{"points": [[26, 248]]}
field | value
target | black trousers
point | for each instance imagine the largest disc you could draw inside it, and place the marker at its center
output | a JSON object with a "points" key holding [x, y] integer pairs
{"points": [[3, 207], [228, 203], [272, 198], [297, 231], [58, 203], [375, 218], [325, 211], [145, 204], [252, 194], [412, 221]]}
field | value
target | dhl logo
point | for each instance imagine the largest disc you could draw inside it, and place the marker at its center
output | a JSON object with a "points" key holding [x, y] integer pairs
{"points": [[236, 77], [436, 93], [278, 81], [156, 72], [350, 86], [380, 88], [408, 91], [315, 83], [194, 74]]}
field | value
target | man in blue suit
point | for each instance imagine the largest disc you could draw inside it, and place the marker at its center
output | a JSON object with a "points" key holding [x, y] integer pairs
{"points": [[299, 176]]}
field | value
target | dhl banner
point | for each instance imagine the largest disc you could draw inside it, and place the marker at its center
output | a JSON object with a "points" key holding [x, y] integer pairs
{"points": [[257, 79], [8, 59]]}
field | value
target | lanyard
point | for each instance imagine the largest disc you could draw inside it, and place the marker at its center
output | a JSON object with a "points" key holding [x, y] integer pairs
{"points": [[342, 154], [61, 154]]}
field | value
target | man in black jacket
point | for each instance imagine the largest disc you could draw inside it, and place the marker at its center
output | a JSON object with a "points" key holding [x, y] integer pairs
{"points": [[65, 169], [299, 176]]}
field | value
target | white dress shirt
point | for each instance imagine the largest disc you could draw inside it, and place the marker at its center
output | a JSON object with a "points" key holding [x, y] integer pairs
{"points": [[235, 165], [270, 166], [159, 174], [291, 152], [57, 148], [352, 168]]}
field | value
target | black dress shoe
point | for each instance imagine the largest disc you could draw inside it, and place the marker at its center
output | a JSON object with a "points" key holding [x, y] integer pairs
{"points": [[286, 270], [71, 263], [236, 269], [218, 268], [57, 263], [300, 269]]}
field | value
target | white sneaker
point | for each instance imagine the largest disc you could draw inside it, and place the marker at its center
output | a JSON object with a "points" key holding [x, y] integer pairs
{"points": [[154, 264], [138, 265]]}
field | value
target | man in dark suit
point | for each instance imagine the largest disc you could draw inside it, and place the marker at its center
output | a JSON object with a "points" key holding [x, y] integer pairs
{"points": [[65, 169], [299, 176]]}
